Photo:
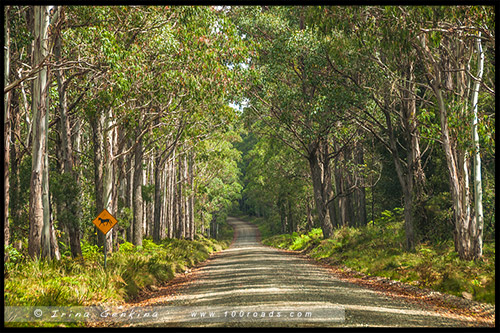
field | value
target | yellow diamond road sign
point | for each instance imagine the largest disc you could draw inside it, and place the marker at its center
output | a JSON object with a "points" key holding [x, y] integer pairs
{"points": [[105, 221]]}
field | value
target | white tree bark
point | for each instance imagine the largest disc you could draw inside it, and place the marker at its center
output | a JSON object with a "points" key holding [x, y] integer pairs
{"points": [[108, 175], [478, 192], [38, 210]]}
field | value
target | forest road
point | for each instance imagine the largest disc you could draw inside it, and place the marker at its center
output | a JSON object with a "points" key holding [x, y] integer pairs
{"points": [[252, 285]]}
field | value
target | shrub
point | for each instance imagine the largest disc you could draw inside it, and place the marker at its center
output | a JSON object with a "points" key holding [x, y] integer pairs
{"points": [[127, 247], [13, 257], [91, 252]]}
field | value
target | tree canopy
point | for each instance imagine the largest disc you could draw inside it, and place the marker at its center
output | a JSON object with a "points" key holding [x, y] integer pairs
{"points": [[173, 117]]}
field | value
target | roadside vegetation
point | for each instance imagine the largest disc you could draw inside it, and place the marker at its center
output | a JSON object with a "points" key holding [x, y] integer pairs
{"points": [[378, 250], [83, 282]]}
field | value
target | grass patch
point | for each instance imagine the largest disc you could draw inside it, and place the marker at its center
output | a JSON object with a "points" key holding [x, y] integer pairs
{"points": [[379, 250]]}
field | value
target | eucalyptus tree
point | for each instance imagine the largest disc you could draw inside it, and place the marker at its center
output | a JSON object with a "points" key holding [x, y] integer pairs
{"points": [[6, 124], [298, 96], [19, 70], [448, 40], [42, 240], [380, 40]]}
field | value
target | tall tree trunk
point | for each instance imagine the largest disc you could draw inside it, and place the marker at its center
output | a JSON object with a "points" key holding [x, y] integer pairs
{"points": [[190, 199], [406, 182], [47, 221], [283, 216], [158, 189], [54, 246], [6, 125], [349, 188], [128, 195], [328, 193], [185, 200], [77, 144], [120, 184], [137, 193], [171, 196], [73, 221], [15, 157], [359, 192], [291, 224], [38, 212], [322, 187], [180, 200], [148, 215], [164, 205], [461, 231], [309, 220], [414, 171], [96, 123], [343, 184], [109, 190], [477, 227], [466, 232]]}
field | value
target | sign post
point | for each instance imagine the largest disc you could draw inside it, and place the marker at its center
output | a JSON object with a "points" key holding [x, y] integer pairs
{"points": [[105, 222], [105, 250]]}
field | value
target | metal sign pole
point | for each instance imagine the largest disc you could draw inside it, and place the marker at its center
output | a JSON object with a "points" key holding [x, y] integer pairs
{"points": [[105, 249]]}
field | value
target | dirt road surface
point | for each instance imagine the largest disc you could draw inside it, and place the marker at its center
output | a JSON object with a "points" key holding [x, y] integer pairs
{"points": [[252, 285]]}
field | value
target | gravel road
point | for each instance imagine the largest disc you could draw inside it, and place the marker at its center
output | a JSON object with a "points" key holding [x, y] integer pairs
{"points": [[251, 285]]}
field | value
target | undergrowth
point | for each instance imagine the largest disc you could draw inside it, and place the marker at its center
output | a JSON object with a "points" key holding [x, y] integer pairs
{"points": [[378, 250]]}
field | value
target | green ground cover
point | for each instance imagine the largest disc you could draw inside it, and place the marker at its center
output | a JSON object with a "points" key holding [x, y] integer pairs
{"points": [[378, 250]]}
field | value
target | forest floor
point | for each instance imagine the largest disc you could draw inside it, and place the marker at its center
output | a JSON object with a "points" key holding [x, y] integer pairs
{"points": [[252, 285]]}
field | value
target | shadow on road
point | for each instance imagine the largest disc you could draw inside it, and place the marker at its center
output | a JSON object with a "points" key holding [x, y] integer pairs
{"points": [[249, 275]]}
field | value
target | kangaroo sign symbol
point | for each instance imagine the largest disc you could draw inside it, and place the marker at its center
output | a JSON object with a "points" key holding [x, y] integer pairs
{"points": [[105, 221]]}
